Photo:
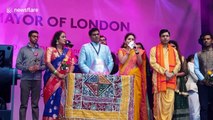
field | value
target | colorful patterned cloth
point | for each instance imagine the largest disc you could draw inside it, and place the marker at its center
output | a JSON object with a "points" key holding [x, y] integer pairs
{"points": [[105, 97]]}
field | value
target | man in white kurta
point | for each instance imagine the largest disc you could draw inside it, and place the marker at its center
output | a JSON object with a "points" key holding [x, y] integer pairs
{"points": [[94, 57]]}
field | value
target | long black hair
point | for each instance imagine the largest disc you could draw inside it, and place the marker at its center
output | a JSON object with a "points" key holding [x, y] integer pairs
{"points": [[125, 37], [56, 37], [183, 63]]}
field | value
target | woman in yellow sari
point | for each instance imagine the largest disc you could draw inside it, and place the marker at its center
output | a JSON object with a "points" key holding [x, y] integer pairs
{"points": [[132, 62]]}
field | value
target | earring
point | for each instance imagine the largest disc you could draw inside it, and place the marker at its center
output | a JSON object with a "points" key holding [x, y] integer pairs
{"points": [[56, 42]]}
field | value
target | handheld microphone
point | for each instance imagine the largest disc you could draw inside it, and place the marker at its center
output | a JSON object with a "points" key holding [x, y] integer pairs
{"points": [[69, 44], [135, 48], [132, 45]]}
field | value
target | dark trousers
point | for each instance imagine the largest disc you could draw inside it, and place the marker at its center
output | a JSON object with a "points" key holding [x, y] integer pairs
{"points": [[27, 87], [206, 99]]}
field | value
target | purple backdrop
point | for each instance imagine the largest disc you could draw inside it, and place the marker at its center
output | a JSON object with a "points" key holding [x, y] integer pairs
{"points": [[115, 18]]}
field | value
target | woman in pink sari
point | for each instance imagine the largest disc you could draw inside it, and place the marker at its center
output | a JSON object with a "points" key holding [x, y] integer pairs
{"points": [[132, 62], [59, 61]]}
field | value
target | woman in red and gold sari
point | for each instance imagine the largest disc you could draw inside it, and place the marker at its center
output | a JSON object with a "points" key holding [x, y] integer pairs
{"points": [[59, 61], [132, 62]]}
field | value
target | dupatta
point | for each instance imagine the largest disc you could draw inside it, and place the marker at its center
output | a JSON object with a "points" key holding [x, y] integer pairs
{"points": [[52, 82], [125, 70]]}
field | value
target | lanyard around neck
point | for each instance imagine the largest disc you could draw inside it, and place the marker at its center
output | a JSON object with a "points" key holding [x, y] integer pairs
{"points": [[95, 49]]}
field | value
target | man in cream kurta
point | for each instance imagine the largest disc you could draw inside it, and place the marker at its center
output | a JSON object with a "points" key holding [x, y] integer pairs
{"points": [[164, 88]]}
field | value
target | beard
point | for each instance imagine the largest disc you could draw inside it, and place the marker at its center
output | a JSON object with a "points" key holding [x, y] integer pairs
{"points": [[34, 41], [207, 44]]}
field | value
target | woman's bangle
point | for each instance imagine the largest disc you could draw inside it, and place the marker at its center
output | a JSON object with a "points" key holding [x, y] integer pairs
{"points": [[55, 72]]}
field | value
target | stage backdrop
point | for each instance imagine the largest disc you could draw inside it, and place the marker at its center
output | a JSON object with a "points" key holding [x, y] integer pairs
{"points": [[113, 17]]}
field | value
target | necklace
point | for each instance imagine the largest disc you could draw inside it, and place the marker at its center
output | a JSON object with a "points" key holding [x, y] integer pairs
{"points": [[59, 53]]}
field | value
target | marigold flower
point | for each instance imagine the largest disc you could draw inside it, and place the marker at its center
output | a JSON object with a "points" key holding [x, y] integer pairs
{"points": [[209, 72]]}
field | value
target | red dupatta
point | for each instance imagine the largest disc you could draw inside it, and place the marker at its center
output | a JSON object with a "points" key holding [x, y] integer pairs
{"points": [[54, 82]]}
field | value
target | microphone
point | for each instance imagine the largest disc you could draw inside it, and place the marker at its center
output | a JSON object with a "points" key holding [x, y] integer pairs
{"points": [[69, 44], [135, 48], [132, 45]]}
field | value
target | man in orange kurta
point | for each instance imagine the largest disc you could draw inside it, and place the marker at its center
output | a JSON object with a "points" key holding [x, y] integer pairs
{"points": [[165, 63]]}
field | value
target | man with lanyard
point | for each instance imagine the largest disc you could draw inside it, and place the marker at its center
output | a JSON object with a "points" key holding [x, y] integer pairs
{"points": [[95, 58], [203, 61], [30, 61]]}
